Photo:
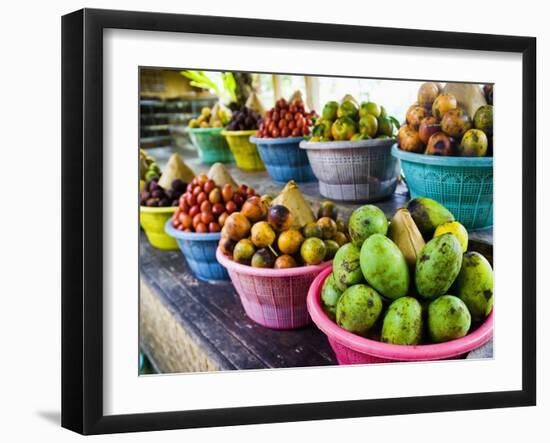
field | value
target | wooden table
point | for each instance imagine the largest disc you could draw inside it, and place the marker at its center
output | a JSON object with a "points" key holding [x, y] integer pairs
{"points": [[187, 325]]}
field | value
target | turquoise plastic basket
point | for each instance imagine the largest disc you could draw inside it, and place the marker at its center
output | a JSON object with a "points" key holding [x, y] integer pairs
{"points": [[211, 145], [464, 185]]}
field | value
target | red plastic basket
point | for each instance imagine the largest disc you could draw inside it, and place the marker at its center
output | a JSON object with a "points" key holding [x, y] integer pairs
{"points": [[274, 298], [353, 349]]}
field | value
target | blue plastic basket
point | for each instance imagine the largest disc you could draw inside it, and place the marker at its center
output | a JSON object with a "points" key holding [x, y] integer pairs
{"points": [[284, 160], [199, 251], [464, 185]]}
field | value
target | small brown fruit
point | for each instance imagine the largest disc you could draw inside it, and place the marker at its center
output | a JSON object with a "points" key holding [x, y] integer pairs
{"points": [[328, 227], [409, 139], [284, 262], [227, 245], [236, 226], [442, 104], [427, 93], [263, 258], [440, 144], [428, 127], [455, 123], [340, 238], [415, 115], [289, 242], [254, 209], [262, 234], [279, 217]]}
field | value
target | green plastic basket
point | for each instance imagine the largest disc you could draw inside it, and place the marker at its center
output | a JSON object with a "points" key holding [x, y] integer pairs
{"points": [[211, 145], [464, 185]]}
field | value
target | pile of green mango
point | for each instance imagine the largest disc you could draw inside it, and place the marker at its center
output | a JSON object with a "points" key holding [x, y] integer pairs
{"points": [[375, 290], [350, 121]]}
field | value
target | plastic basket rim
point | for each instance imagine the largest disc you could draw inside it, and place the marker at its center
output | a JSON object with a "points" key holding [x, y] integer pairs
{"points": [[204, 130], [198, 236], [435, 351], [357, 144], [239, 133], [231, 265], [157, 209], [436, 160], [275, 141]]}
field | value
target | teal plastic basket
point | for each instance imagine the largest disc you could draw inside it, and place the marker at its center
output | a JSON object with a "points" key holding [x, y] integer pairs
{"points": [[211, 145], [464, 185]]}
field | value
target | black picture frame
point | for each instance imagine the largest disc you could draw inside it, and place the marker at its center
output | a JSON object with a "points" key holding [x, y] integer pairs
{"points": [[82, 218]]}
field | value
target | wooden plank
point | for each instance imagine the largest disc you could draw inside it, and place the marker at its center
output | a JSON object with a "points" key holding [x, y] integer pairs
{"points": [[260, 340], [205, 329], [164, 340], [304, 347]]}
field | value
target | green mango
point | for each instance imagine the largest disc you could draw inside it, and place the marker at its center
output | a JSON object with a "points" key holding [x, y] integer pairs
{"points": [[448, 318], [330, 294], [474, 285], [369, 108], [343, 128], [385, 126], [384, 266], [368, 125], [358, 309], [346, 266], [347, 109], [428, 214], [438, 265], [365, 221], [330, 110], [403, 322]]}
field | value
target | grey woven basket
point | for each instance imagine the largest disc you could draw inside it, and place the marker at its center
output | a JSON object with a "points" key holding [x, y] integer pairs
{"points": [[358, 171]]}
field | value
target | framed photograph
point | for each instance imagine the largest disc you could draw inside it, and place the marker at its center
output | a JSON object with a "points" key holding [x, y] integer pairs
{"points": [[269, 221]]}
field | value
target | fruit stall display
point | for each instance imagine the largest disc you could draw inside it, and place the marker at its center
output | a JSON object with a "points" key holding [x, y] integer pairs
{"points": [[202, 210], [278, 137], [243, 124], [159, 196], [273, 249], [349, 121], [350, 151], [206, 134], [410, 289], [401, 289], [446, 148]]}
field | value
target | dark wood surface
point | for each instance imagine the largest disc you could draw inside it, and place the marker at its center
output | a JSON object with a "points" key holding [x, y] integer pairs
{"points": [[212, 314]]}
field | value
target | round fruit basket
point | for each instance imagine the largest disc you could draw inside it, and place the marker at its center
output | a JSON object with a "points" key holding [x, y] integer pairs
{"points": [[199, 251], [245, 153], [354, 349], [354, 171], [274, 298], [464, 185], [211, 145], [152, 220], [284, 160]]}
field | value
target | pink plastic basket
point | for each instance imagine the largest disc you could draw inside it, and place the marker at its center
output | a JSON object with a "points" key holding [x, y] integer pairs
{"points": [[353, 349], [274, 298]]}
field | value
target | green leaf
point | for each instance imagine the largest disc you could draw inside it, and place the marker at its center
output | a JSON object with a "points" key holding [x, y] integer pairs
{"points": [[230, 85], [394, 121], [200, 80]]}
